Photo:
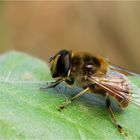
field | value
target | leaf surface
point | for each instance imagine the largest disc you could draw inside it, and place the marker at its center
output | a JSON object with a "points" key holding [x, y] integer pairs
{"points": [[26, 112]]}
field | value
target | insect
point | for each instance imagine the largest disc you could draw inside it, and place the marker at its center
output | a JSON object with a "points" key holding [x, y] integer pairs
{"points": [[95, 75]]}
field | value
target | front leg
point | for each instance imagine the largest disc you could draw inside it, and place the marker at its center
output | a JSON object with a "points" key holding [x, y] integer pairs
{"points": [[52, 84], [72, 99]]}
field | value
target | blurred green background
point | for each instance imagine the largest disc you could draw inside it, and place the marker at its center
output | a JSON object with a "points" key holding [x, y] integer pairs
{"points": [[111, 29]]}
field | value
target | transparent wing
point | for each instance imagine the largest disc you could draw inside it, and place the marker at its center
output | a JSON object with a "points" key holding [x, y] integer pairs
{"points": [[117, 84], [135, 94], [122, 70]]}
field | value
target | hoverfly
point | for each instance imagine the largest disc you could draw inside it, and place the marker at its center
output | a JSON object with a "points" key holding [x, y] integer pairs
{"points": [[94, 74]]}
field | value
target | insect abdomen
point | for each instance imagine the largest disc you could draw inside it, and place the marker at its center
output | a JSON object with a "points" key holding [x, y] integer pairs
{"points": [[122, 102]]}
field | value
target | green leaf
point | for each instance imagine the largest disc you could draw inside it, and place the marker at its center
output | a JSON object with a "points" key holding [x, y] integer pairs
{"points": [[26, 112]]}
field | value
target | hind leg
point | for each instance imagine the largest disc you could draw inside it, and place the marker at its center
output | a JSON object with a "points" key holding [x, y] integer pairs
{"points": [[115, 122]]}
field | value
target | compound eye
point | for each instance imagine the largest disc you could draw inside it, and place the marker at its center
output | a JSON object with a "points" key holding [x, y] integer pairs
{"points": [[54, 66], [60, 64], [63, 65]]}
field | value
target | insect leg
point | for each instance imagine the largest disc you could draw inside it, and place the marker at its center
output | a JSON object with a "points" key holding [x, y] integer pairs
{"points": [[119, 127], [72, 99], [52, 84]]}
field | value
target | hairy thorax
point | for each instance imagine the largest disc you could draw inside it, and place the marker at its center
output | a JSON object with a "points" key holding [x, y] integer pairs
{"points": [[84, 65]]}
